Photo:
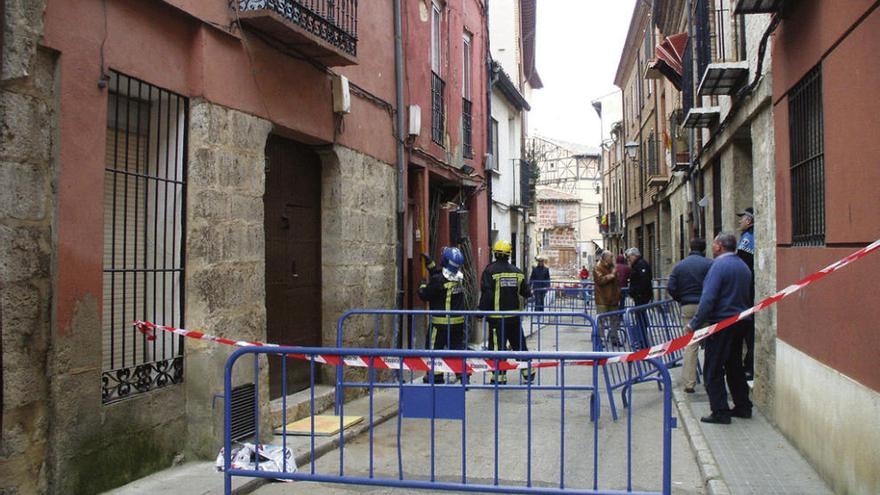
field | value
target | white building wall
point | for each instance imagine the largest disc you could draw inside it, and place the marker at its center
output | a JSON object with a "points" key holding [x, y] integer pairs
{"points": [[504, 41]]}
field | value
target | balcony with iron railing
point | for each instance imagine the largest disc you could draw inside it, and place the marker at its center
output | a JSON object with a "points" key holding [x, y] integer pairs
{"points": [[727, 70], [325, 30]]}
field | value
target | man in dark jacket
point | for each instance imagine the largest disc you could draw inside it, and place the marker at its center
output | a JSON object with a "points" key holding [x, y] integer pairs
{"points": [[540, 281], [641, 290], [726, 293], [502, 288], [685, 287], [445, 292]]}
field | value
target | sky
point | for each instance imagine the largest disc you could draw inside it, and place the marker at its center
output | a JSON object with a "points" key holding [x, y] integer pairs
{"points": [[578, 45]]}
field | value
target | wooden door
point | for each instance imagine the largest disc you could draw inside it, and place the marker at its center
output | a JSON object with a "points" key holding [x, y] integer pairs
{"points": [[292, 218]]}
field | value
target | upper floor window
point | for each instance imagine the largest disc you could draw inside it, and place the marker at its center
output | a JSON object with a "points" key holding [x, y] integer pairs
{"points": [[436, 37], [467, 65], [806, 142]]}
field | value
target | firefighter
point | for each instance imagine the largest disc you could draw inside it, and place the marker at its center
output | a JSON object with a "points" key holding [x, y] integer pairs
{"points": [[503, 288], [445, 292]]}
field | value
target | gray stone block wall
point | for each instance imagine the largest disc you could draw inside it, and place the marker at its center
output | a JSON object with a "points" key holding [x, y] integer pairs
{"points": [[764, 170], [225, 259], [359, 237], [28, 122]]}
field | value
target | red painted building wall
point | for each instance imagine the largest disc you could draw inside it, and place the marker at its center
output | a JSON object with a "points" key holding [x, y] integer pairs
{"points": [[432, 165], [196, 53], [836, 318]]}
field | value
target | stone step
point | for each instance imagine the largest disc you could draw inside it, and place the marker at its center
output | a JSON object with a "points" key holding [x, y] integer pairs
{"points": [[299, 404]]}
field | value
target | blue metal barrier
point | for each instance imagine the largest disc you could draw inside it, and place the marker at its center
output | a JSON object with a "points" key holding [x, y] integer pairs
{"points": [[451, 402], [407, 326], [629, 330]]}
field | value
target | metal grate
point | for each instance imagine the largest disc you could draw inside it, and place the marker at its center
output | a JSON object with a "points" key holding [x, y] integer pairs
{"points": [[144, 202], [438, 109], [466, 128], [806, 135], [244, 413]]}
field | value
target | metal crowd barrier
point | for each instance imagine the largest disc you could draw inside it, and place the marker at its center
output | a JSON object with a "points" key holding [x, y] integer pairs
{"points": [[632, 329], [451, 443], [412, 329]]}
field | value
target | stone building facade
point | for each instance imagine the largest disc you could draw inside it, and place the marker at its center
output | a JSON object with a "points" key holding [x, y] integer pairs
{"points": [[123, 167]]}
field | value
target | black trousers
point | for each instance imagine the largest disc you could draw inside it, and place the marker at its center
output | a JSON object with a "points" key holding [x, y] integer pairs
{"points": [[640, 339], [749, 359], [540, 294], [724, 359], [507, 330], [446, 336]]}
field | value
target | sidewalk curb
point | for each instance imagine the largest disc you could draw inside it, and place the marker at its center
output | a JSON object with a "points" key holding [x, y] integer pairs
{"points": [[324, 446], [709, 470]]}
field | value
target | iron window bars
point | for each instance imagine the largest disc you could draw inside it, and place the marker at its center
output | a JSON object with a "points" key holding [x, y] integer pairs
{"points": [[807, 160], [438, 108], [143, 261], [466, 129]]}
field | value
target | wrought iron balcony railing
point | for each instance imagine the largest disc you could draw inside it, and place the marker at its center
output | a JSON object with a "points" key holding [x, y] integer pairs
{"points": [[438, 108], [324, 29], [466, 129]]}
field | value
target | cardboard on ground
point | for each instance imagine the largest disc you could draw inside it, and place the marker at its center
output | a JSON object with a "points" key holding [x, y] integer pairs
{"points": [[325, 425]]}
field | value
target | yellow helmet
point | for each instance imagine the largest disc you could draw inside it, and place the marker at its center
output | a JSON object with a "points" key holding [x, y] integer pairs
{"points": [[502, 247]]}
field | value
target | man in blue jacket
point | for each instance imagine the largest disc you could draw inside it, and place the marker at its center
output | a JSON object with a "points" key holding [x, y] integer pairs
{"points": [[726, 292], [685, 286], [540, 281]]}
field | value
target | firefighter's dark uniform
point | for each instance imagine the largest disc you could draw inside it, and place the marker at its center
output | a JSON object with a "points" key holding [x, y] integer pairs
{"points": [[446, 331], [502, 288]]}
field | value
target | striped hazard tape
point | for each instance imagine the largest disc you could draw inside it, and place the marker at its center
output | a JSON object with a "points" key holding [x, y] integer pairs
{"points": [[455, 365]]}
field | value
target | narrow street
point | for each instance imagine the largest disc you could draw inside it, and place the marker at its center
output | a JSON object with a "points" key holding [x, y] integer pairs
{"points": [[512, 440], [332, 190]]}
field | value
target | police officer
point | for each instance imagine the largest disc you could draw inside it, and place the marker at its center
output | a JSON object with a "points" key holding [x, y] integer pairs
{"points": [[501, 289], [746, 251], [445, 292]]}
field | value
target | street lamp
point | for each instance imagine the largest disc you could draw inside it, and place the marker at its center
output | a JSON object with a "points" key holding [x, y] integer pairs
{"points": [[631, 148]]}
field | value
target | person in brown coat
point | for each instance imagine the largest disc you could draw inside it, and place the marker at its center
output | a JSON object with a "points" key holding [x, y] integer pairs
{"points": [[607, 291]]}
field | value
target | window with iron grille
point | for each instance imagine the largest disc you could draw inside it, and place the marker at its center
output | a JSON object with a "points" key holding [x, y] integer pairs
{"points": [[466, 129], [702, 32], [806, 135], [466, 108], [438, 108], [144, 202]]}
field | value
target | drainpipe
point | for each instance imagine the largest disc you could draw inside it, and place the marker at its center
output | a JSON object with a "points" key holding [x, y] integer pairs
{"points": [[490, 81], [401, 157]]}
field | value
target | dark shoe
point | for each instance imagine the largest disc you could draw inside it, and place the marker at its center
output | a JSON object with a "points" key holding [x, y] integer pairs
{"points": [[528, 377], [438, 379], [502, 380], [688, 390], [741, 413], [749, 376], [718, 419]]}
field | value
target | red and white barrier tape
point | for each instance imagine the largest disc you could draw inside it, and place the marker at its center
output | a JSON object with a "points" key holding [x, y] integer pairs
{"points": [[455, 365]]}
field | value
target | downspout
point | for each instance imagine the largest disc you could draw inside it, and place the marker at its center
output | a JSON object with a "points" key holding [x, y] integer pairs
{"points": [[696, 231], [490, 81], [401, 157]]}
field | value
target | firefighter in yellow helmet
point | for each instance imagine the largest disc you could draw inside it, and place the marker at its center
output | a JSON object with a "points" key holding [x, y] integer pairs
{"points": [[503, 288]]}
